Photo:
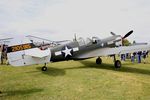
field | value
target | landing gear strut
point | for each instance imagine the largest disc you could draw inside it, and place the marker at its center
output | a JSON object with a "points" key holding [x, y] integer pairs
{"points": [[44, 68], [117, 63], [98, 60]]}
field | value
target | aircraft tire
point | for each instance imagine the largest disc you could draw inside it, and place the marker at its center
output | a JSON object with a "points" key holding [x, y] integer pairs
{"points": [[117, 64], [44, 68], [98, 61]]}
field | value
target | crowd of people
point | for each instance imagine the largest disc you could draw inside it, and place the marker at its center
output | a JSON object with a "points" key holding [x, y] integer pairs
{"points": [[135, 56]]}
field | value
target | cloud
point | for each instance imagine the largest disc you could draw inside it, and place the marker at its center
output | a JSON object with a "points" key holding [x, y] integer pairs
{"points": [[63, 18]]}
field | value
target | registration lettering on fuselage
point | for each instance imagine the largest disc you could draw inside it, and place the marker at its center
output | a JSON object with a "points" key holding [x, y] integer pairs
{"points": [[20, 47]]}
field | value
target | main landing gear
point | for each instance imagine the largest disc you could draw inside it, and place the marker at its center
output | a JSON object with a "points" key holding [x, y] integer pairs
{"points": [[44, 68], [117, 63], [99, 61]]}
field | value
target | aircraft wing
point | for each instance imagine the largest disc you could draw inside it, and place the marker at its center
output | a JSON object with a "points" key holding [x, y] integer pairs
{"points": [[47, 40], [112, 51], [36, 52]]}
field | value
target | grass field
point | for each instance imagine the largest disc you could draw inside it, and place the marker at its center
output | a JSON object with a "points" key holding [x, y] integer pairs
{"points": [[76, 80]]}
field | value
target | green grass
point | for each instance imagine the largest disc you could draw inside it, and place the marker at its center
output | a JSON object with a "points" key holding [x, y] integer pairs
{"points": [[76, 80]]}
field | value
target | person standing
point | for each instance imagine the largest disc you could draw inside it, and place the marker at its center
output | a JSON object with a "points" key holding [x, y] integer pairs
{"points": [[1, 54], [144, 57], [147, 53], [123, 57], [132, 57], [139, 56]]}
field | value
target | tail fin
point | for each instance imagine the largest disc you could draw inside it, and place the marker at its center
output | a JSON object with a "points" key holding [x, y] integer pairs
{"points": [[21, 51]]}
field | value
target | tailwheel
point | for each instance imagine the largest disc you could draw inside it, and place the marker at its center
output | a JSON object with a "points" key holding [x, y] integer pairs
{"points": [[44, 68], [117, 64], [98, 60]]}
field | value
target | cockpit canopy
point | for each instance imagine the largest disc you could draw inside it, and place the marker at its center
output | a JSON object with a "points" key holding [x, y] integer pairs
{"points": [[88, 41], [95, 40]]}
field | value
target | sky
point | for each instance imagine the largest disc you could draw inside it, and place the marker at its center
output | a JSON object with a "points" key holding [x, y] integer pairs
{"points": [[61, 19]]}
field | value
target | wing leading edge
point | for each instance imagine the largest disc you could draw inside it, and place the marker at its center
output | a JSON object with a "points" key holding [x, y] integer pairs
{"points": [[112, 51]]}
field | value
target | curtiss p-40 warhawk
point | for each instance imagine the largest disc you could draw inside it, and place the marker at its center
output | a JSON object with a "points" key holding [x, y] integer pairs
{"points": [[22, 51]]}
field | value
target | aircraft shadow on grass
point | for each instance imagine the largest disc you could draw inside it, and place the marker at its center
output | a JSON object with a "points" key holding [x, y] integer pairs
{"points": [[90, 64], [20, 92], [124, 68], [53, 71]]}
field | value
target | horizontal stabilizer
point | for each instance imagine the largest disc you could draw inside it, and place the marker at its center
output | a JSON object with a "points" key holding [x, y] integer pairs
{"points": [[21, 52], [36, 52]]}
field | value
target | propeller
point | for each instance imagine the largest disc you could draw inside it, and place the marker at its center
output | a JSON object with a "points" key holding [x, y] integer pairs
{"points": [[128, 34], [124, 37]]}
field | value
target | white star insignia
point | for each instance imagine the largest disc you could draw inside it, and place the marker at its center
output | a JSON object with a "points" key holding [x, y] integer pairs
{"points": [[67, 51]]}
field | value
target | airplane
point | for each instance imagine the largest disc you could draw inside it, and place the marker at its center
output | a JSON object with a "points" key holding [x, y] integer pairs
{"points": [[22, 51]]}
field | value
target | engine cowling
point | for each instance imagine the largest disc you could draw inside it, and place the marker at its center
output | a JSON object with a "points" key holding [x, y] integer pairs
{"points": [[118, 41]]}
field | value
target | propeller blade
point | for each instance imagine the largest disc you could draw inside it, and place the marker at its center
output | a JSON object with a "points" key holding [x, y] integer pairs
{"points": [[75, 37], [112, 33], [128, 34]]}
